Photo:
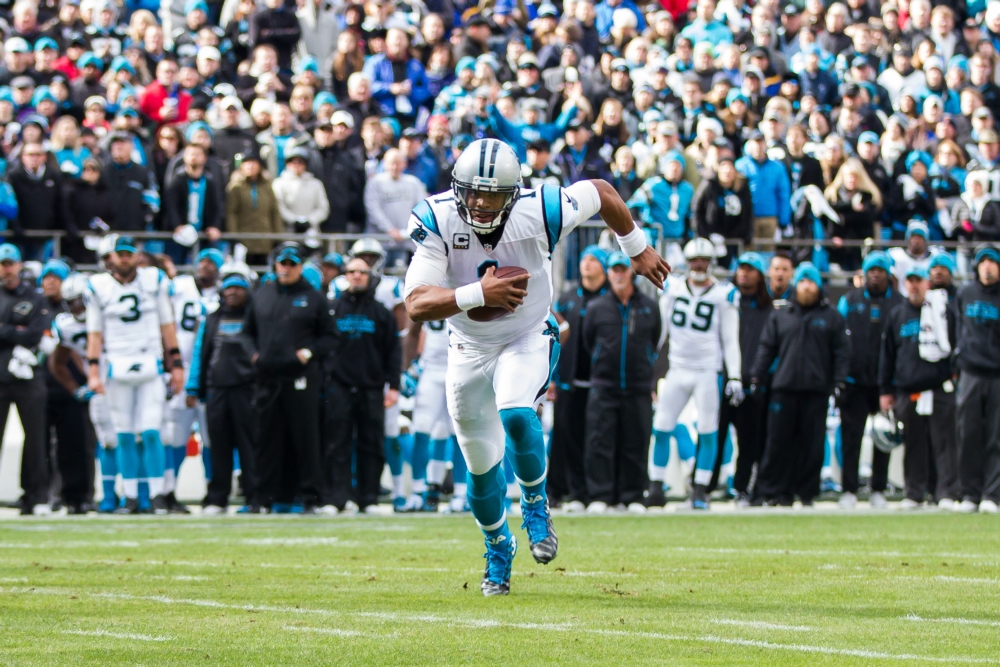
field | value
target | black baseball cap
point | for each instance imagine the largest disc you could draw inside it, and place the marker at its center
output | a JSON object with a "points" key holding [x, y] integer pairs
{"points": [[540, 145]]}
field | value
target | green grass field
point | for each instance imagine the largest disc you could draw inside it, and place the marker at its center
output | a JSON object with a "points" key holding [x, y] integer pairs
{"points": [[675, 589]]}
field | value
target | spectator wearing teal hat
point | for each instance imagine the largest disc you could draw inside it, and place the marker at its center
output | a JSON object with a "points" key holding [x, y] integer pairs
{"points": [[912, 195], [749, 417], [942, 270], [464, 85], [977, 356], [866, 310], [666, 200], [331, 266], [88, 84], [566, 481], [808, 339], [619, 411], [54, 272]]}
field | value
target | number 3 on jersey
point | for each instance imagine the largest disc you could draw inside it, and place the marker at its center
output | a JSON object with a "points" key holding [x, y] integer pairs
{"points": [[133, 313], [700, 319]]}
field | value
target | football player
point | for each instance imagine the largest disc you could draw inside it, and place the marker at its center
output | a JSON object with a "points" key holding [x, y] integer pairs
{"points": [[498, 370], [701, 317], [131, 319]]}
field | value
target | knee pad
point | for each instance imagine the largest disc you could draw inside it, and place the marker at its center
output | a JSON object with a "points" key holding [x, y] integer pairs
{"points": [[520, 424]]}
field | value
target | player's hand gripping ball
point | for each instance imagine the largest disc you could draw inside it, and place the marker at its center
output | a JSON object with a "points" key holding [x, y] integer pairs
{"points": [[490, 313]]}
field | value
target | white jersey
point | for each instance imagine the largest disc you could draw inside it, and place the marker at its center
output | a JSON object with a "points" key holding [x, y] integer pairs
{"points": [[70, 333], [388, 292], [130, 315], [435, 351], [450, 254], [189, 312], [702, 324], [904, 261]]}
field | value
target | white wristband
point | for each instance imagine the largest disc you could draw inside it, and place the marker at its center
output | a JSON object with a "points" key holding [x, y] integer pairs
{"points": [[633, 243], [470, 296]]}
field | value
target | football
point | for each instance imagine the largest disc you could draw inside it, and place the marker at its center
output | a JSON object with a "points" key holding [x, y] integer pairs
{"points": [[490, 313]]}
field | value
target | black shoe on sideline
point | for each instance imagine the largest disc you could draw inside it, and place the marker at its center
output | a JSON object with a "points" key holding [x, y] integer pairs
{"points": [[175, 506], [159, 505], [131, 507]]}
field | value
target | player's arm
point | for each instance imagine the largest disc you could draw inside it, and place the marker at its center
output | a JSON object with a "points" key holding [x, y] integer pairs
{"points": [[58, 363], [169, 335], [412, 343], [95, 344], [563, 327], [666, 309], [645, 260], [427, 301], [729, 332]]}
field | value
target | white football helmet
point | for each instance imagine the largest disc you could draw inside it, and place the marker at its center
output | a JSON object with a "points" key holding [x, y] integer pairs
{"points": [[699, 247], [74, 287], [369, 247], [487, 173]]}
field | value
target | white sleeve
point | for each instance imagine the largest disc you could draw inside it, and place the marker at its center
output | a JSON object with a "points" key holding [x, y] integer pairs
{"points": [[666, 309], [95, 315], [730, 331], [164, 305], [584, 203], [428, 267]]}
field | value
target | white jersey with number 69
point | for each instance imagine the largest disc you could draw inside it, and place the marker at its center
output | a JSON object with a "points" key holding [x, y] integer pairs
{"points": [[130, 315], [702, 324]]}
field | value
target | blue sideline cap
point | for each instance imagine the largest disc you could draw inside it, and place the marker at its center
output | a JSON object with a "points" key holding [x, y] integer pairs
{"points": [[807, 271], [56, 267], [235, 280], [754, 260], [211, 254], [289, 251], [618, 258], [945, 260], [986, 252], [125, 244], [868, 137], [877, 259], [333, 259], [917, 227], [918, 271], [598, 253], [9, 253]]}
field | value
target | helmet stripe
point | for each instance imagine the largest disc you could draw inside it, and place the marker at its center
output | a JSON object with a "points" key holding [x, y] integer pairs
{"points": [[493, 157], [482, 159]]}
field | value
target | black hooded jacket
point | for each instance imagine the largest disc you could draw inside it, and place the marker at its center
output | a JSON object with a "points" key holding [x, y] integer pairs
{"points": [[368, 354]]}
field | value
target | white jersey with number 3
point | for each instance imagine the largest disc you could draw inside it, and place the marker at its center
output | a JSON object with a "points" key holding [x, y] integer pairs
{"points": [[450, 254], [702, 324], [130, 315]]}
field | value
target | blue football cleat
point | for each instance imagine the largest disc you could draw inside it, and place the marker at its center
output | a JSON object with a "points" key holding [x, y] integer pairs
{"points": [[399, 504], [108, 505], [538, 523], [500, 552], [281, 508], [829, 485]]}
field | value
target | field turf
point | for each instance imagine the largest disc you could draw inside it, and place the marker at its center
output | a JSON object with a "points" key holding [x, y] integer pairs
{"points": [[796, 588]]}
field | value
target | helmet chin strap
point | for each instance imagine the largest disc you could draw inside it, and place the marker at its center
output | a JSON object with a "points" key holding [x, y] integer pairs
{"points": [[698, 276]]}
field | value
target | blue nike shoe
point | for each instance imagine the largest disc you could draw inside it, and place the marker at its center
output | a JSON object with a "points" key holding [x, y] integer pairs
{"points": [[829, 485], [108, 505], [500, 552], [281, 508], [538, 523], [399, 504]]}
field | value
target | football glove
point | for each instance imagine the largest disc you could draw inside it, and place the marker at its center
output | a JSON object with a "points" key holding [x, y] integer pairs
{"points": [[408, 380], [734, 390]]}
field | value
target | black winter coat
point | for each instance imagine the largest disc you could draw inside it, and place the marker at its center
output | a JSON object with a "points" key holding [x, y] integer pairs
{"points": [[977, 339], [811, 346], [127, 185], [367, 352], [280, 320], [175, 203], [221, 355], [41, 203], [24, 316], [711, 217], [866, 315], [342, 171], [901, 370], [87, 202], [854, 224], [622, 341], [574, 358]]}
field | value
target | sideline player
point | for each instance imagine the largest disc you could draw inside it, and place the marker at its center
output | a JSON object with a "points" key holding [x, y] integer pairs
{"points": [[431, 422], [130, 319], [388, 292], [702, 322], [498, 370], [193, 298]]}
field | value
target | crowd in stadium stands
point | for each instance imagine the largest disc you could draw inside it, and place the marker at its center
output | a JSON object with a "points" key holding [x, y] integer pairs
{"points": [[813, 132]]}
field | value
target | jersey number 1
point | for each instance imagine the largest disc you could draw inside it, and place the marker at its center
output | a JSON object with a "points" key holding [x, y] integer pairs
{"points": [[701, 320]]}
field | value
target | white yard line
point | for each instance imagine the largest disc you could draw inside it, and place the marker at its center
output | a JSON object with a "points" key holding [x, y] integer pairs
{"points": [[117, 635], [957, 621], [554, 627], [761, 625], [337, 632]]}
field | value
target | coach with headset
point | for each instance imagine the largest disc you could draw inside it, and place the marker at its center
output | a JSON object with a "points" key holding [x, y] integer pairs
{"points": [[289, 329]]}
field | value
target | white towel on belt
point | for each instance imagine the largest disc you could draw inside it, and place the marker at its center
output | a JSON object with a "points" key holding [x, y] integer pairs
{"points": [[934, 343]]}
